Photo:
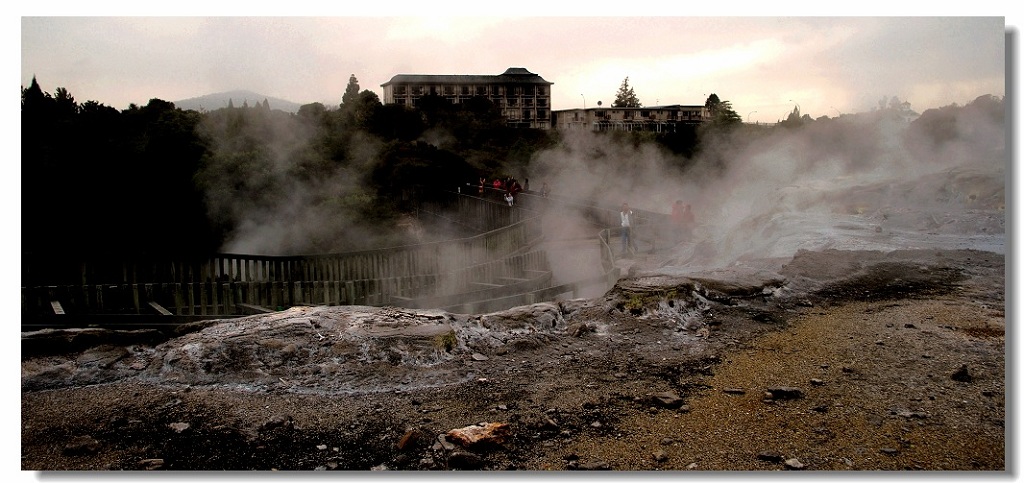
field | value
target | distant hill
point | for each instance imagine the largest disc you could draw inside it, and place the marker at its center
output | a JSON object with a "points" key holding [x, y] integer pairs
{"points": [[212, 102]]}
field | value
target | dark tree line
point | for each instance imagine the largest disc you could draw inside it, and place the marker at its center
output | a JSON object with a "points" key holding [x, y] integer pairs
{"points": [[158, 180]]}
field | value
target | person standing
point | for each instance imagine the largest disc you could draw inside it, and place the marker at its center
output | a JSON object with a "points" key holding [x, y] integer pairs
{"points": [[626, 225], [677, 221], [688, 222]]}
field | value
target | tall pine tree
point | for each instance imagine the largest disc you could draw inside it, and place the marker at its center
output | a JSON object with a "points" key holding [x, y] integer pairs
{"points": [[625, 97], [351, 91]]}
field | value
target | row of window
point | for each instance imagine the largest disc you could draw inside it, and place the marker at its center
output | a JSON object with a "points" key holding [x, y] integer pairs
{"points": [[499, 101], [467, 90]]}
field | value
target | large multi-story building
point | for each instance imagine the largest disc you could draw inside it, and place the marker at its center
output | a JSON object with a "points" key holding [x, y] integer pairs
{"points": [[654, 118], [523, 97]]}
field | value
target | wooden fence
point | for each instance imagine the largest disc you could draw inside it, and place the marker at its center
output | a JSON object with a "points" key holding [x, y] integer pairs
{"points": [[238, 284], [456, 273]]}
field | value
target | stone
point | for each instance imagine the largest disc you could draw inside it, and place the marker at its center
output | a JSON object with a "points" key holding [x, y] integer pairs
{"points": [[962, 374], [480, 434], [595, 465], [794, 464], [785, 392], [82, 445], [770, 456], [465, 460], [150, 464], [667, 399]]}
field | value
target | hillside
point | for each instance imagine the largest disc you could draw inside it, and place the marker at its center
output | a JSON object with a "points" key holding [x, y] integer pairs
{"points": [[211, 102]]}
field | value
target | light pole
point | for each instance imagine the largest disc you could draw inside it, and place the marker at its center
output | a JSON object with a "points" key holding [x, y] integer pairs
{"points": [[748, 116], [584, 101]]}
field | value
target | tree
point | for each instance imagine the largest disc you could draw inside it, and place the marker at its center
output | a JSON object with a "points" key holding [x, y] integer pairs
{"points": [[351, 91], [725, 115], [712, 104], [625, 97]]}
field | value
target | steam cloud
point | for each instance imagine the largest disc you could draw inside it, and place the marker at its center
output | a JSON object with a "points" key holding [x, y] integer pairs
{"points": [[859, 181]]}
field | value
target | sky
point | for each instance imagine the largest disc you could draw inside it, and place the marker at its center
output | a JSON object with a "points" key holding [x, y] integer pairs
{"points": [[764, 65]]}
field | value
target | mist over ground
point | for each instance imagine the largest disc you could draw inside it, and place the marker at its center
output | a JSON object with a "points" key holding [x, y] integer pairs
{"points": [[865, 181], [872, 180]]}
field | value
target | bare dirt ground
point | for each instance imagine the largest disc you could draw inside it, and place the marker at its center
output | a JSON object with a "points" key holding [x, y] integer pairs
{"points": [[834, 360]]}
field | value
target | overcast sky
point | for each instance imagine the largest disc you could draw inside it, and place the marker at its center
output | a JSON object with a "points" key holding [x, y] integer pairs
{"points": [[764, 65]]}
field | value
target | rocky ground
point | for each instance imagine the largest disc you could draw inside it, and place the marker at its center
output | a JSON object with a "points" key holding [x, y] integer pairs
{"points": [[831, 360]]}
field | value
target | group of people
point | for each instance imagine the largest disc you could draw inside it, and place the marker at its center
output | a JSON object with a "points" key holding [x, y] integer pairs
{"points": [[683, 221], [507, 188]]}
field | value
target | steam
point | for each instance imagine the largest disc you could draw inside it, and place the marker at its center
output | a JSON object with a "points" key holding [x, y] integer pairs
{"points": [[277, 194], [860, 181], [863, 181]]}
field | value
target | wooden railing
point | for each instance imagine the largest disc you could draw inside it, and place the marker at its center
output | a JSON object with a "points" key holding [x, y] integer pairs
{"points": [[234, 283], [456, 273]]}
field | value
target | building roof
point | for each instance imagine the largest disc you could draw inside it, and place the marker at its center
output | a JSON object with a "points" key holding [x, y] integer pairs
{"points": [[512, 75]]}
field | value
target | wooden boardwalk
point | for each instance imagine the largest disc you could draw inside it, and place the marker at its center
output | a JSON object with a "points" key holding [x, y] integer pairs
{"points": [[494, 270]]}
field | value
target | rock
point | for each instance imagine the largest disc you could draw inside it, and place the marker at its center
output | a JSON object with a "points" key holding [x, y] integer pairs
{"points": [[543, 316], [178, 427], [150, 464], [465, 460], [785, 392], [480, 434], [666, 399], [734, 390], [906, 413], [279, 421], [660, 456], [770, 456], [411, 440], [794, 464], [579, 329], [889, 451], [817, 382], [82, 445], [479, 357], [962, 374], [595, 465], [443, 443]]}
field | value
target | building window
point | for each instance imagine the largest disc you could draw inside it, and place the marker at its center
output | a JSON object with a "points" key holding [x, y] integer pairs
{"points": [[542, 91], [542, 102], [449, 90], [481, 90], [417, 90], [399, 90], [527, 90]]}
